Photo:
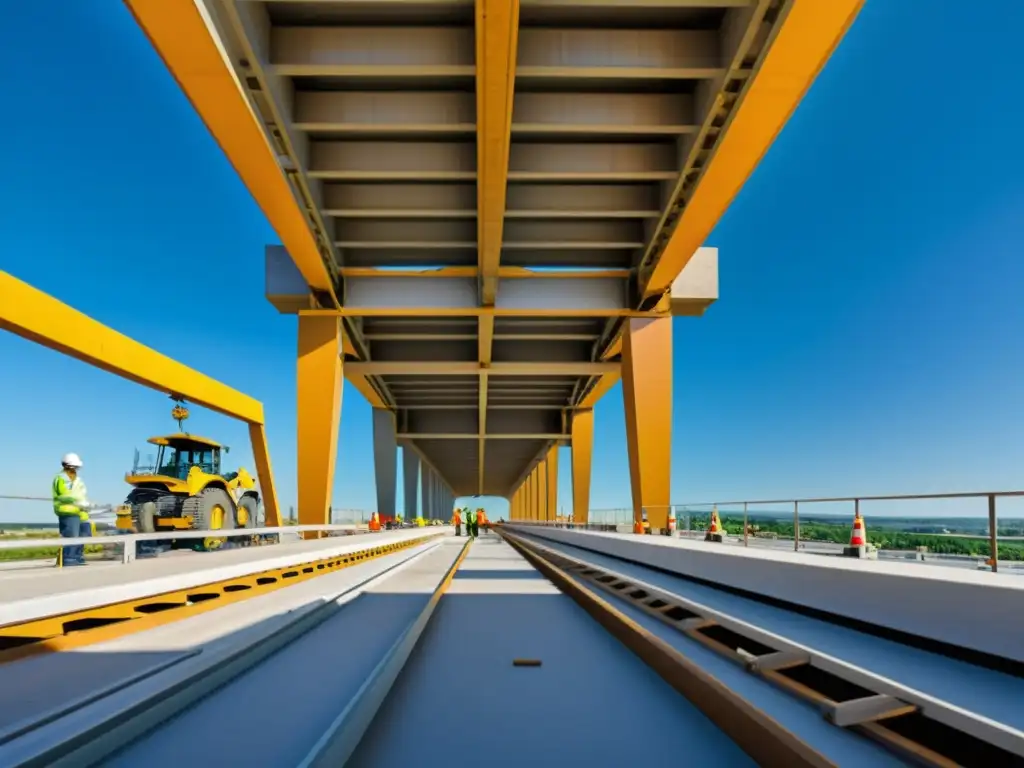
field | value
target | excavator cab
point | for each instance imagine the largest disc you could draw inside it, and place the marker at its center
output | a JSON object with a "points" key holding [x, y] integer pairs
{"points": [[177, 454]]}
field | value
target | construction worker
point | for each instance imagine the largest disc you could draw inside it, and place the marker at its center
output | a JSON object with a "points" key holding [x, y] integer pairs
{"points": [[481, 519], [71, 506], [470, 522], [457, 521]]}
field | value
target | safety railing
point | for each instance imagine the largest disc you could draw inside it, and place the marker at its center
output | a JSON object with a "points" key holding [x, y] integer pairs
{"points": [[980, 529], [129, 549]]}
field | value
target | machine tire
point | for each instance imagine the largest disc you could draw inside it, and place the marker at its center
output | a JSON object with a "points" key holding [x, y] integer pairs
{"points": [[146, 522], [201, 508], [251, 507]]}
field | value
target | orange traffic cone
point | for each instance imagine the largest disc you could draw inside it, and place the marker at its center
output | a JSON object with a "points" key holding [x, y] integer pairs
{"points": [[715, 528], [671, 521], [858, 538], [638, 526]]}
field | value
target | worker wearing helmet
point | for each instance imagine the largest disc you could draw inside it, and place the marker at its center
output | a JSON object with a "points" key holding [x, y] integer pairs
{"points": [[470, 522], [71, 507]]}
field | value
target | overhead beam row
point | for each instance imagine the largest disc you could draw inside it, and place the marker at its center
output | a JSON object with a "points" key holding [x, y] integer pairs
{"points": [[477, 136]]}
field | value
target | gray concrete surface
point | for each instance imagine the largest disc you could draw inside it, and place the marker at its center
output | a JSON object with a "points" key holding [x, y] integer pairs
{"points": [[981, 611], [30, 594], [460, 702], [274, 715], [992, 694], [44, 682]]}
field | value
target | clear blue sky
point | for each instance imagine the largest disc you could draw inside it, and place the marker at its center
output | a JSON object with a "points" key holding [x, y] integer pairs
{"points": [[867, 339]]}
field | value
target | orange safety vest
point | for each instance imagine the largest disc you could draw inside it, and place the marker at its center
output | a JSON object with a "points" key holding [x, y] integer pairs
{"points": [[481, 517], [456, 519]]}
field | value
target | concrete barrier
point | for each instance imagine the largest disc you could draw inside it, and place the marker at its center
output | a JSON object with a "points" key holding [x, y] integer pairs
{"points": [[56, 591], [980, 611]]}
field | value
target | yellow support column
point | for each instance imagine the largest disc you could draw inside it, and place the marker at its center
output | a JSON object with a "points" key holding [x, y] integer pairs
{"points": [[647, 392], [265, 475], [582, 454], [551, 481], [542, 490], [319, 414], [531, 495]]}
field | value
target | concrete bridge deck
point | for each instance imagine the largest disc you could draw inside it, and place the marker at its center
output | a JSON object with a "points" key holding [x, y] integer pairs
{"points": [[447, 663]]}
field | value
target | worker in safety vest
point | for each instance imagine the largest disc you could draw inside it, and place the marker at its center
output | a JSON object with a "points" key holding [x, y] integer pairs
{"points": [[71, 505], [470, 522], [457, 521], [481, 519]]}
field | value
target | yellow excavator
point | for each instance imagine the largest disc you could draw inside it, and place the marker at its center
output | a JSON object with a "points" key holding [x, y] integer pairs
{"points": [[183, 489]]}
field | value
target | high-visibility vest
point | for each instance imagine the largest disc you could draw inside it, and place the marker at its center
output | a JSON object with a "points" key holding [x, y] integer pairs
{"points": [[69, 496], [456, 518], [470, 516]]}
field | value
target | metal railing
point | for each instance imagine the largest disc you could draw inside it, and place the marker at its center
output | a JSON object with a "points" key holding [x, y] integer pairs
{"points": [[797, 522]]}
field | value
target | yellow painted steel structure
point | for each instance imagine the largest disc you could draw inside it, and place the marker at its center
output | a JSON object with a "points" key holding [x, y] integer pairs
{"points": [[492, 210], [38, 317], [582, 456]]}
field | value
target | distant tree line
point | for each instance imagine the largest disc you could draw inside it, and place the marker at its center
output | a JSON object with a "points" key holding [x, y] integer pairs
{"points": [[883, 539]]}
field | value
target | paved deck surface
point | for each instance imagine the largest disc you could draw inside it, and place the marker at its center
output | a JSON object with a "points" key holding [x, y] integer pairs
{"points": [[460, 702], [45, 682], [275, 714]]}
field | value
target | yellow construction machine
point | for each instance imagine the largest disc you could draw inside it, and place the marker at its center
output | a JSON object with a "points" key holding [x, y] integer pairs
{"points": [[182, 488]]}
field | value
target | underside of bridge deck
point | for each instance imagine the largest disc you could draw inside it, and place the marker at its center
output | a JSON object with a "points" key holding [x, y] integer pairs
{"points": [[490, 211]]}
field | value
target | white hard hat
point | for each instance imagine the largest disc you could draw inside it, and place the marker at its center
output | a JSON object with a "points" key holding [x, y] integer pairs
{"points": [[71, 460]]}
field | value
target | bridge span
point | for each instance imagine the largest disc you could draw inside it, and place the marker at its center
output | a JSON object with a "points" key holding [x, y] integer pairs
{"points": [[491, 211]]}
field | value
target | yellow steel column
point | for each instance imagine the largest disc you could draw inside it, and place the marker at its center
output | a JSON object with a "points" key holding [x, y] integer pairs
{"points": [[539, 494], [319, 414], [647, 392], [531, 494], [551, 481], [582, 453], [265, 475], [542, 490]]}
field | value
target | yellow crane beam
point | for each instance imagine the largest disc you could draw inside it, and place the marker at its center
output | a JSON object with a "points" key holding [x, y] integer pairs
{"points": [[28, 312]]}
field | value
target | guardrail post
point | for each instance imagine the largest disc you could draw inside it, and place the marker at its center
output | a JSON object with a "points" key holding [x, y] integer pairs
{"points": [[993, 532], [796, 526], [128, 551]]}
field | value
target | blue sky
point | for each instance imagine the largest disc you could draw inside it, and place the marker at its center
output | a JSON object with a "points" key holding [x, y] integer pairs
{"points": [[867, 339]]}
